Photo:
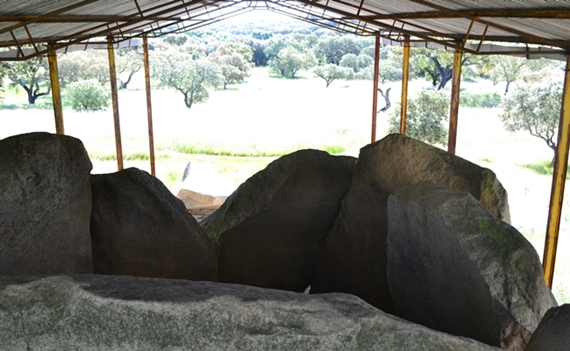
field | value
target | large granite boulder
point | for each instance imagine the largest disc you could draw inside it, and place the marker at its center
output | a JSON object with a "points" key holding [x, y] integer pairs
{"points": [[400, 160], [139, 228], [354, 254], [553, 332], [45, 205], [91, 312], [455, 267], [270, 230]]}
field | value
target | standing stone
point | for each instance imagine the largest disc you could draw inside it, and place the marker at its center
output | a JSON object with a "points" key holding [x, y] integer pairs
{"points": [[400, 161], [45, 205], [455, 267], [139, 228], [271, 228], [553, 332], [354, 254], [94, 312]]}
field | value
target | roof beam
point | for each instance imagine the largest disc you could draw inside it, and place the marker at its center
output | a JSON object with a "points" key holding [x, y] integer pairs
{"points": [[512, 13], [79, 18], [528, 37]]}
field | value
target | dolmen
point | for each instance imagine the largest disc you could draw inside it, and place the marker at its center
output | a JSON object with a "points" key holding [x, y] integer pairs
{"points": [[404, 248]]}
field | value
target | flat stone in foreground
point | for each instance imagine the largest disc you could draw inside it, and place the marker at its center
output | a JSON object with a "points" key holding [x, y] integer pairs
{"points": [[92, 312]]}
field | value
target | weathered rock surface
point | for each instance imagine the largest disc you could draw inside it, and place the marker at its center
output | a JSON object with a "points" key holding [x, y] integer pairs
{"points": [[271, 228], [400, 161], [45, 205], [455, 267], [553, 332], [91, 312], [139, 228], [354, 254], [193, 200]]}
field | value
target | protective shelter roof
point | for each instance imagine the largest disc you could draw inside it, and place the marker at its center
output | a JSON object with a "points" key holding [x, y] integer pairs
{"points": [[30, 28]]}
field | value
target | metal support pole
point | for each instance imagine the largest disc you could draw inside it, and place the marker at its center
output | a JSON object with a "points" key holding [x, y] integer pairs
{"points": [[375, 86], [114, 95], [454, 109], [55, 92], [558, 182], [148, 105], [405, 73]]}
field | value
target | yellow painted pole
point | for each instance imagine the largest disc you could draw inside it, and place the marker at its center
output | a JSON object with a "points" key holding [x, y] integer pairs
{"points": [[405, 73], [148, 105], [114, 95], [558, 182], [55, 92], [375, 86], [454, 109]]}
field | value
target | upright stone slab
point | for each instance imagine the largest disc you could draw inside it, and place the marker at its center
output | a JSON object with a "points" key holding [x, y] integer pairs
{"points": [[139, 228], [553, 332], [94, 312], [271, 228], [354, 254], [45, 205], [455, 267]]}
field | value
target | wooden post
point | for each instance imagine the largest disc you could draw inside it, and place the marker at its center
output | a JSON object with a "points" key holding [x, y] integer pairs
{"points": [[558, 182], [454, 109], [405, 73], [114, 95], [148, 105], [55, 92], [375, 86]]}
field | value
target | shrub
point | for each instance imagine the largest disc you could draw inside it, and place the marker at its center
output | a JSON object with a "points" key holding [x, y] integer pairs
{"points": [[425, 116], [486, 100], [87, 95]]}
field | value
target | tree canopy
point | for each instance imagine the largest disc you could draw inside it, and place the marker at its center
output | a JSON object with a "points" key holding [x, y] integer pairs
{"points": [[30, 75], [289, 61], [178, 69], [534, 108], [331, 72], [234, 61]]}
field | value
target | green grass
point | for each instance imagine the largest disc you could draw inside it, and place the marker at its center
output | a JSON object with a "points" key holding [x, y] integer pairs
{"points": [[543, 168], [334, 149], [42, 103], [250, 150]]}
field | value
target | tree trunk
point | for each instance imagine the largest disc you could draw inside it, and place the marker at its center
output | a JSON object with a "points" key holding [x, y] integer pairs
{"points": [[386, 97], [552, 145], [123, 85], [444, 73], [188, 100], [507, 87]]}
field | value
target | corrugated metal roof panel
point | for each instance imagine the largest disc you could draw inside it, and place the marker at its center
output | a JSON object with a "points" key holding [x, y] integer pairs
{"points": [[530, 21]]}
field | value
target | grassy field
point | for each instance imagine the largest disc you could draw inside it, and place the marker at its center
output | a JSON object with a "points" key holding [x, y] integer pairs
{"points": [[240, 130]]}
